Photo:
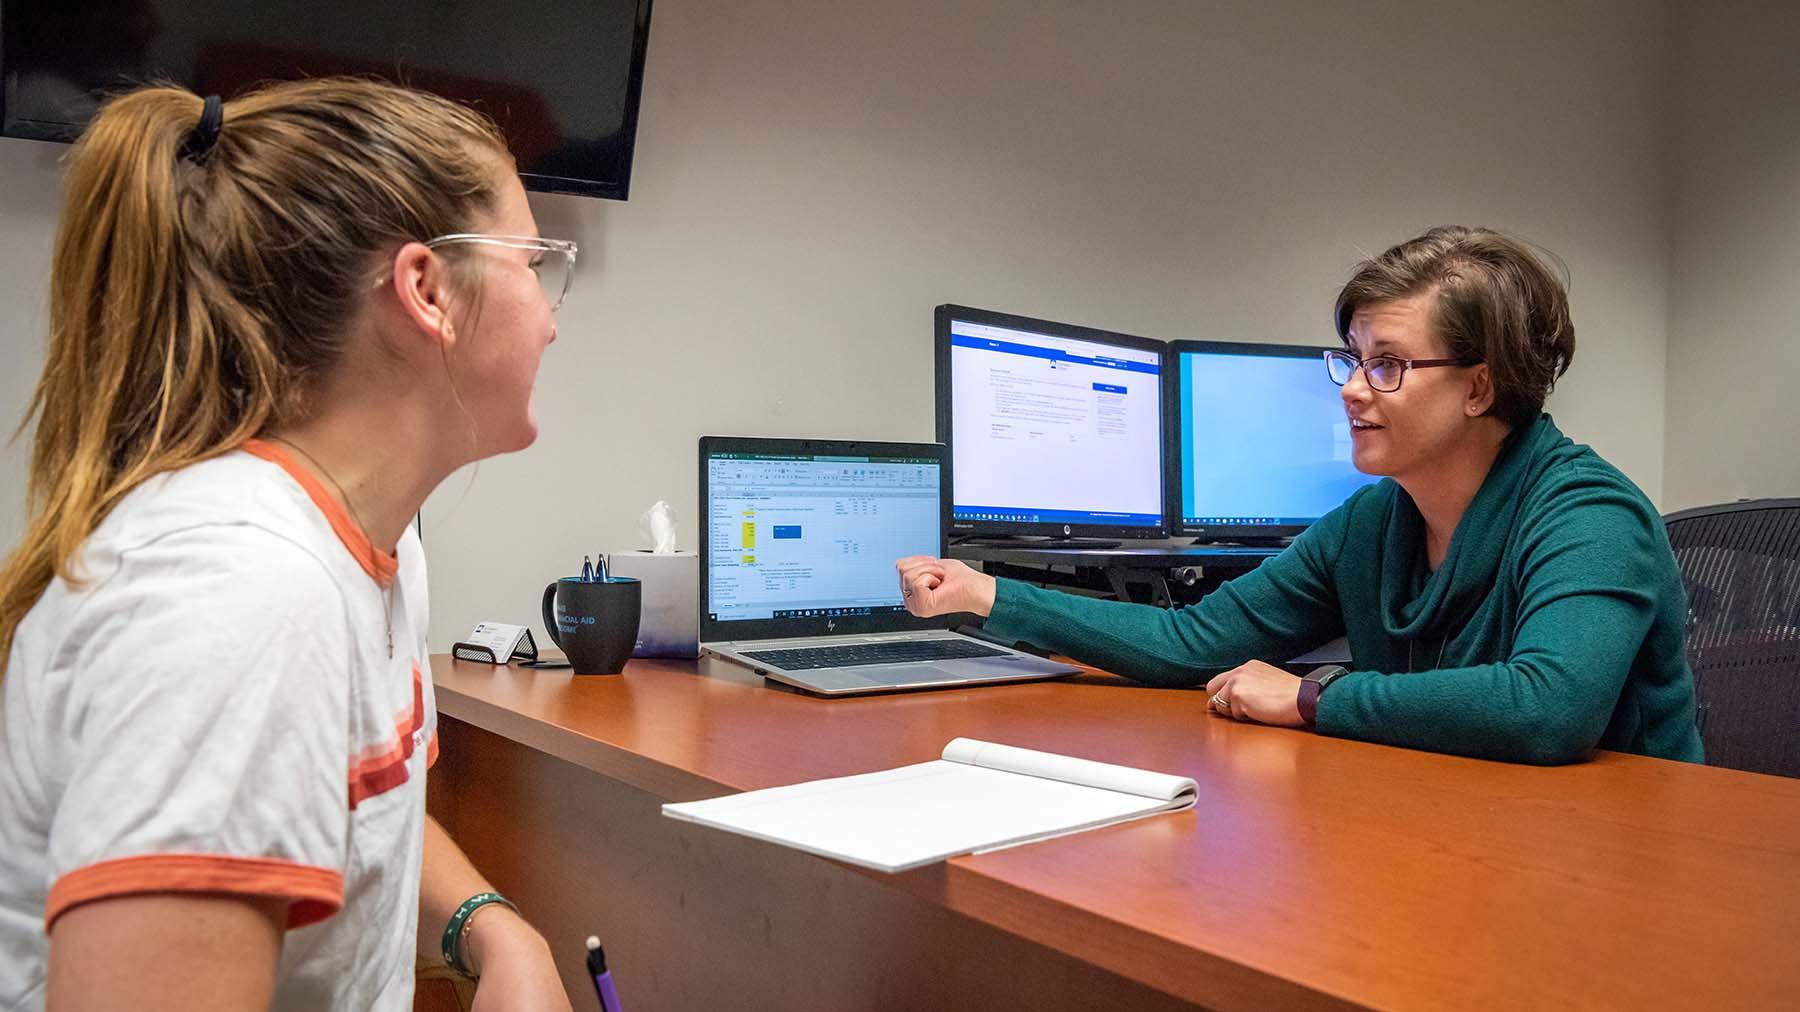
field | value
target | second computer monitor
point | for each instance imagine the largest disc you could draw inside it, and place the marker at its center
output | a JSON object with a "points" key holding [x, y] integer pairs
{"points": [[1262, 444], [1053, 429]]}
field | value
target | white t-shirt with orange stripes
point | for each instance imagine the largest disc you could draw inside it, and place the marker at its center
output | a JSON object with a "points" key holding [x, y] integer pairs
{"points": [[216, 709]]}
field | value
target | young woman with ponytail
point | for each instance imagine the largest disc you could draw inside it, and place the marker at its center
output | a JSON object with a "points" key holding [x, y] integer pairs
{"points": [[276, 324]]}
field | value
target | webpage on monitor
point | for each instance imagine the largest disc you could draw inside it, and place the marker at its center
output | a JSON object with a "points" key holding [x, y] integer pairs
{"points": [[1048, 429]]}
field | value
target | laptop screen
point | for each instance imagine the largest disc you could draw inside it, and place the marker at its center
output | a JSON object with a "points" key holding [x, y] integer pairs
{"points": [[793, 538]]}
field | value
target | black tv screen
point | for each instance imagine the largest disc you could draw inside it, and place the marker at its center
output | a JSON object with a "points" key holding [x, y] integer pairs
{"points": [[561, 77]]}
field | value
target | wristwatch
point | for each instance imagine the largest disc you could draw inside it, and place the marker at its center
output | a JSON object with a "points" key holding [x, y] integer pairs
{"points": [[1312, 686]]}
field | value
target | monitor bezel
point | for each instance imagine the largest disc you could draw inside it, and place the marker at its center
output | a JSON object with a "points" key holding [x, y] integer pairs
{"points": [[1173, 480], [19, 127], [719, 630], [950, 312]]}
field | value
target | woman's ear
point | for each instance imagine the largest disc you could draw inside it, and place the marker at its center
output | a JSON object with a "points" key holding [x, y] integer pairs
{"points": [[421, 287], [1480, 396]]}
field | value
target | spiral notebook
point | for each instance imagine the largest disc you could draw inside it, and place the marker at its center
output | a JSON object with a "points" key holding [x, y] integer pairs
{"points": [[979, 797]]}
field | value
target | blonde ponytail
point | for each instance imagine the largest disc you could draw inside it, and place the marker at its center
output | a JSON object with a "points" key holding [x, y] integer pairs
{"points": [[194, 300]]}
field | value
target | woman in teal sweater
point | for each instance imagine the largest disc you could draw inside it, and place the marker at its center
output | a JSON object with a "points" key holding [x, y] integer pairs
{"points": [[1506, 593]]}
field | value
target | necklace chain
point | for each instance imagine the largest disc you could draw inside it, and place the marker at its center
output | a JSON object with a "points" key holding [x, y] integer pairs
{"points": [[1442, 644], [387, 593]]}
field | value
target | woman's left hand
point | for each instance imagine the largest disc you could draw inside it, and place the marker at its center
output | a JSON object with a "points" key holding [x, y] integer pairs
{"points": [[1259, 692], [515, 967]]}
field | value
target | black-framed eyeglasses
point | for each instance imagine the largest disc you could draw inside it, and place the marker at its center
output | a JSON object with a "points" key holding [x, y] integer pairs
{"points": [[1383, 373]]}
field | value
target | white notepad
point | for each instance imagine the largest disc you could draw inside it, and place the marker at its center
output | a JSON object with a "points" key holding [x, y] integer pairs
{"points": [[979, 797]]}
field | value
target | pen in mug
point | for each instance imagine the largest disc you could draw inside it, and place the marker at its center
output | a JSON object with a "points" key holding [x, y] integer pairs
{"points": [[587, 570], [603, 982], [600, 568]]}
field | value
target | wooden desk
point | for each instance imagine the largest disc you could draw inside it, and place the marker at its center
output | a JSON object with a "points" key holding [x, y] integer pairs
{"points": [[1313, 873]]}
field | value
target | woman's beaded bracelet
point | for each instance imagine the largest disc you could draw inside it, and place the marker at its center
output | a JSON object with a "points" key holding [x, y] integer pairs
{"points": [[456, 932]]}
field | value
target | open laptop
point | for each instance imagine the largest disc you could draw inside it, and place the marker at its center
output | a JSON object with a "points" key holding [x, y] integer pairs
{"points": [[797, 549]]}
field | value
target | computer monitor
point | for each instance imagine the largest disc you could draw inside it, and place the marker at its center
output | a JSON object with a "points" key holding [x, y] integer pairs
{"points": [[801, 535], [1261, 446], [1053, 429]]}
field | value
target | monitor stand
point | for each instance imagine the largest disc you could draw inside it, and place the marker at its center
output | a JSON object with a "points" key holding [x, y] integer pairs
{"points": [[1024, 541], [1270, 541]]}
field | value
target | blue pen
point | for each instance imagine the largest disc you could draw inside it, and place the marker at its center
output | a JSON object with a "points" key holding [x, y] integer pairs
{"points": [[600, 568], [603, 983], [587, 570]]}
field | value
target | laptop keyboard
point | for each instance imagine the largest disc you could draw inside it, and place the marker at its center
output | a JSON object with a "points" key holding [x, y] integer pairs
{"points": [[855, 654]]}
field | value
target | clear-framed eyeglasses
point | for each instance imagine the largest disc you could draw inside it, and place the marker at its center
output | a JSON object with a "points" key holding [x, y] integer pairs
{"points": [[553, 260], [1383, 373]]}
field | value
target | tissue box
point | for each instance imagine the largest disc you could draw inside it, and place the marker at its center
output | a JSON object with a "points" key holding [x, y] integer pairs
{"points": [[670, 626]]}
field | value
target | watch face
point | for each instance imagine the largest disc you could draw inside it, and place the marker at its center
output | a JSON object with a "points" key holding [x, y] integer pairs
{"points": [[1325, 674]]}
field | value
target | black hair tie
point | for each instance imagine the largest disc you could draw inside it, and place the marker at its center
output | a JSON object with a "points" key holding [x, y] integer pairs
{"points": [[205, 134]]}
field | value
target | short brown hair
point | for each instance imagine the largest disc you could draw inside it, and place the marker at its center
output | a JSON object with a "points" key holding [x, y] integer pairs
{"points": [[1496, 302]]}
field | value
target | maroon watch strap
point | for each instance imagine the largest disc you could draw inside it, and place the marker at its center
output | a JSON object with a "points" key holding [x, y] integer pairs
{"points": [[1311, 687], [1309, 701]]}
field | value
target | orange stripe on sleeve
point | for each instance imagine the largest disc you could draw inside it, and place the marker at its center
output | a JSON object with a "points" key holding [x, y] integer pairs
{"points": [[381, 768], [315, 893], [431, 751]]}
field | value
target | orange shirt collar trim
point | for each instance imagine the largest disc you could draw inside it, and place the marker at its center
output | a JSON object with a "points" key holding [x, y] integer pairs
{"points": [[381, 566]]}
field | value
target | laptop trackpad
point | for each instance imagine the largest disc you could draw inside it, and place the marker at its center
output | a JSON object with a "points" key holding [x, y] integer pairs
{"points": [[899, 674], [1011, 665], [972, 669]]}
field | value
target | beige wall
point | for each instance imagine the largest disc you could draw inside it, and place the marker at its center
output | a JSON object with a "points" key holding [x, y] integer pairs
{"points": [[28, 196], [812, 178], [811, 182], [1734, 291]]}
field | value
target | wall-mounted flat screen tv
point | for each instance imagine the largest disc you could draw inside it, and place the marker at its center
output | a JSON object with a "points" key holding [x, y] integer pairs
{"points": [[561, 77]]}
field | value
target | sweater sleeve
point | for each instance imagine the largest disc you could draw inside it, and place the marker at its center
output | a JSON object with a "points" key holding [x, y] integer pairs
{"points": [[1284, 607], [1587, 600]]}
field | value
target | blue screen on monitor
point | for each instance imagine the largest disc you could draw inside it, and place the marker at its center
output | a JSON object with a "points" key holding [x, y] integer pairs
{"points": [[1264, 440]]}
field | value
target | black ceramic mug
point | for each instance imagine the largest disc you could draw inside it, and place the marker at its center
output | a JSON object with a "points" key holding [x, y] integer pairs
{"points": [[594, 622]]}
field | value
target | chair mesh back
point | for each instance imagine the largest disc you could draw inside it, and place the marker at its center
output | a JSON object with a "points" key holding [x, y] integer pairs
{"points": [[1740, 564]]}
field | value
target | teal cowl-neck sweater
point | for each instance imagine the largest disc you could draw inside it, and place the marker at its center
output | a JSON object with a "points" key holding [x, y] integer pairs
{"points": [[1554, 625]]}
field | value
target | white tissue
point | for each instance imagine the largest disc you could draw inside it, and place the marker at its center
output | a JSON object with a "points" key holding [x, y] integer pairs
{"points": [[658, 526]]}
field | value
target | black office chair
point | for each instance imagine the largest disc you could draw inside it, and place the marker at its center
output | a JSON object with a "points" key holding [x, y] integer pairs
{"points": [[1740, 563]]}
